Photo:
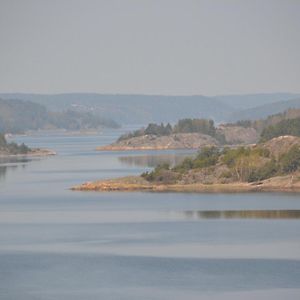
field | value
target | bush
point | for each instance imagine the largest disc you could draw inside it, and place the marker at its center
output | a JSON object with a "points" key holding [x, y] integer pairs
{"points": [[195, 125], [268, 170], [12, 148], [285, 127], [290, 161], [207, 157], [162, 174]]}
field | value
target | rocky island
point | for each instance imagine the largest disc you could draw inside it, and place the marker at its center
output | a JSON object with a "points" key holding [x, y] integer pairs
{"points": [[273, 165], [186, 134], [198, 133]]}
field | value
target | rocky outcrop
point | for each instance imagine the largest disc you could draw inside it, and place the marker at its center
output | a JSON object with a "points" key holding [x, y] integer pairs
{"points": [[238, 134], [153, 142], [35, 152], [218, 177], [288, 183], [280, 145]]}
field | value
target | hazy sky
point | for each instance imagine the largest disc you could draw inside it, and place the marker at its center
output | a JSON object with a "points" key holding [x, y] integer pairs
{"points": [[152, 47]]}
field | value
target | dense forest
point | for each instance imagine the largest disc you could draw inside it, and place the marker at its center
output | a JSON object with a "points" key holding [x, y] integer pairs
{"points": [[17, 116]]}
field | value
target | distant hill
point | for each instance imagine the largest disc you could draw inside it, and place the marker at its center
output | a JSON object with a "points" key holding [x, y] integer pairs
{"points": [[17, 116], [264, 111], [133, 109], [248, 101], [144, 109]]}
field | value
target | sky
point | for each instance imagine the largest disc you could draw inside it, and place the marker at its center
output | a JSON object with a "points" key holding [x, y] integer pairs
{"points": [[169, 47]]}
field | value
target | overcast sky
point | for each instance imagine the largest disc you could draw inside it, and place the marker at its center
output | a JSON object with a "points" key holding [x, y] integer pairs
{"points": [[151, 47]]}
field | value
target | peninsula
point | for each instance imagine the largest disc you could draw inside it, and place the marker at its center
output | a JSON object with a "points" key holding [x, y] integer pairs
{"points": [[273, 165], [13, 149]]}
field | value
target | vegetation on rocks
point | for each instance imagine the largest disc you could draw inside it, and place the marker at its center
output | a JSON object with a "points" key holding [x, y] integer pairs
{"points": [[242, 164], [12, 148], [284, 127], [202, 126]]}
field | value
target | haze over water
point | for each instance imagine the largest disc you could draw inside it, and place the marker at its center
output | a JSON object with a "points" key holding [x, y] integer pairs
{"points": [[59, 244]]}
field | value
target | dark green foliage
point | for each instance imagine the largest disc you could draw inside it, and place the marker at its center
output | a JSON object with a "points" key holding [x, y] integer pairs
{"points": [[243, 164], [268, 170], [285, 127], [162, 174], [195, 125], [12, 148], [290, 161], [242, 123], [183, 126], [158, 129], [3, 142], [266, 124], [231, 156], [207, 157]]}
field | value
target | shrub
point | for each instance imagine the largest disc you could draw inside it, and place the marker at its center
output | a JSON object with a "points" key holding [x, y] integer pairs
{"points": [[290, 161], [268, 170]]}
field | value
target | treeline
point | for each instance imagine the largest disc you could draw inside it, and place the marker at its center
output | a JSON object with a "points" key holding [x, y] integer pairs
{"points": [[17, 116], [203, 126], [12, 148], [272, 120], [240, 164], [284, 127]]}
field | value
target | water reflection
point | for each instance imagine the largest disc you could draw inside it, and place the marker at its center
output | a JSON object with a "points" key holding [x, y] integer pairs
{"points": [[243, 214], [153, 160], [12, 163]]}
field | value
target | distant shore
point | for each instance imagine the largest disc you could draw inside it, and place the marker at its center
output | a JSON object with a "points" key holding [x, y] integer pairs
{"points": [[33, 153], [177, 141], [288, 183]]}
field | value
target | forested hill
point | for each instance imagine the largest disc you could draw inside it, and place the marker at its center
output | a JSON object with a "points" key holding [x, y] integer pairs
{"points": [[133, 109], [265, 110], [17, 116], [144, 109]]}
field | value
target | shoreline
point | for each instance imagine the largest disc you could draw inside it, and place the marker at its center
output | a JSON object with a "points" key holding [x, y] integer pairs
{"points": [[138, 184], [33, 153], [141, 148]]}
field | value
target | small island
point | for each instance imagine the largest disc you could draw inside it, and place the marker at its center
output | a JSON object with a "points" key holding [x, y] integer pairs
{"points": [[198, 133], [185, 134], [13, 149], [273, 165]]}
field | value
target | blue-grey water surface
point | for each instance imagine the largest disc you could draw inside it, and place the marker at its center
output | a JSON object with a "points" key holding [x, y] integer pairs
{"points": [[60, 244]]}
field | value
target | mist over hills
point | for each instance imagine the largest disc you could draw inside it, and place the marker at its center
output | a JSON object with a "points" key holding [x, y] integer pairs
{"points": [[143, 109], [18, 116], [265, 110], [133, 109], [247, 101]]}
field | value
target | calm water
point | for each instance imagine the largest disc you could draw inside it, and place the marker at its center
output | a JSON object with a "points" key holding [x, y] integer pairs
{"points": [[59, 244]]}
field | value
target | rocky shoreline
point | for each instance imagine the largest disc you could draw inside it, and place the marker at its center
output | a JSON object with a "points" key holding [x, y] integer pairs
{"points": [[287, 183], [32, 153], [152, 142]]}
